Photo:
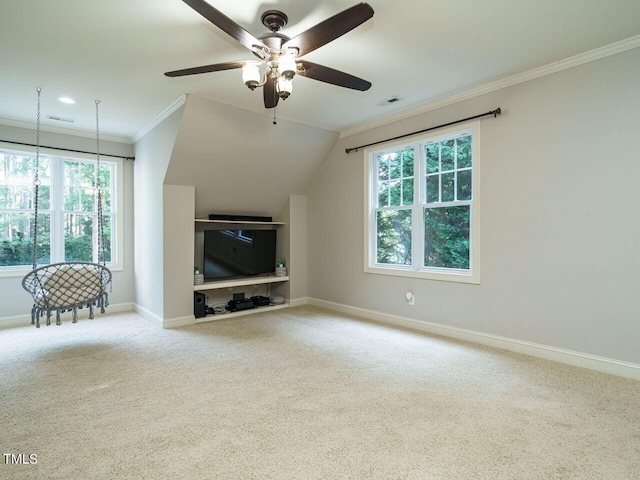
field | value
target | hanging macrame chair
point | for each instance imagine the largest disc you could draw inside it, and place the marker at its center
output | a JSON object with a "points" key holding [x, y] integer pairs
{"points": [[67, 286]]}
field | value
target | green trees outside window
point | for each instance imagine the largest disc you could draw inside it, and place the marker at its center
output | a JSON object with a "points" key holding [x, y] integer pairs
{"points": [[446, 237], [395, 188], [422, 200], [67, 208], [447, 210]]}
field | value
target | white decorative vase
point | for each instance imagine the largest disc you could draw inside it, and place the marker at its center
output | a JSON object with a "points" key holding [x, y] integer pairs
{"points": [[276, 299], [198, 278], [281, 271]]}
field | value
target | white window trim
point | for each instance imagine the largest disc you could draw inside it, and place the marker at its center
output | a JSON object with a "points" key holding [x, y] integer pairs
{"points": [[449, 275], [117, 253]]}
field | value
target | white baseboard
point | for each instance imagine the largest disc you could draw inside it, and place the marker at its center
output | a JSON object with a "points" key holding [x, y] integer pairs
{"points": [[148, 315], [570, 357], [296, 302], [164, 322], [179, 321], [25, 320]]}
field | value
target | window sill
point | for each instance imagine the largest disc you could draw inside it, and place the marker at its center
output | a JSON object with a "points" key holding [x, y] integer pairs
{"points": [[442, 275], [17, 272]]}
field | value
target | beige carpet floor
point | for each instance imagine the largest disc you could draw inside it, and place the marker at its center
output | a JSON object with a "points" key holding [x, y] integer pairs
{"points": [[301, 393]]}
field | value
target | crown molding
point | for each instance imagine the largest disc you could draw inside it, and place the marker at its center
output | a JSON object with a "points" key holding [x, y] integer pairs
{"points": [[62, 131], [576, 60], [177, 103]]}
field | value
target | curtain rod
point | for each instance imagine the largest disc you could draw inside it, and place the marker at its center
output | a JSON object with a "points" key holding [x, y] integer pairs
{"points": [[69, 150], [495, 113]]}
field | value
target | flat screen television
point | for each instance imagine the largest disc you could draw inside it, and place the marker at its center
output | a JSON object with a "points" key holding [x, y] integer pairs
{"points": [[232, 253]]}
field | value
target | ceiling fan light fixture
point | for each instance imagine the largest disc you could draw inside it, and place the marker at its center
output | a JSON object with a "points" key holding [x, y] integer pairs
{"points": [[287, 66], [284, 87], [251, 75]]}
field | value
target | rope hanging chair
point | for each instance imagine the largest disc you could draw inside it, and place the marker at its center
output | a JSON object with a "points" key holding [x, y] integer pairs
{"points": [[67, 286]]}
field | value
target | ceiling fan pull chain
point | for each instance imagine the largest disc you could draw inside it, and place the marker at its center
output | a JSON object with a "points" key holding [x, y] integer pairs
{"points": [[275, 106]]}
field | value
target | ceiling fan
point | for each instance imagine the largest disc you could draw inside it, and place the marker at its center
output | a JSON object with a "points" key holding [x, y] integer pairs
{"points": [[281, 54]]}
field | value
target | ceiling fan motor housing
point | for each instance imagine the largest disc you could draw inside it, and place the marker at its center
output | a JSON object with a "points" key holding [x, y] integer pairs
{"points": [[274, 20], [274, 41]]}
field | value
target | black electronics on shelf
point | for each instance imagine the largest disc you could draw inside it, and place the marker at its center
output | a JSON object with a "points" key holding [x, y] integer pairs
{"points": [[199, 305], [239, 305], [260, 301]]}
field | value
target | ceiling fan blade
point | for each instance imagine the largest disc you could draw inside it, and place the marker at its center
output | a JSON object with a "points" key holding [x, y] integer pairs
{"points": [[216, 67], [329, 75], [225, 24], [269, 93], [330, 29]]}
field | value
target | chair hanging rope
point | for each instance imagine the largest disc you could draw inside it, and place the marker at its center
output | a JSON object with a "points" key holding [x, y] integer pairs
{"points": [[68, 286], [36, 189], [101, 247]]}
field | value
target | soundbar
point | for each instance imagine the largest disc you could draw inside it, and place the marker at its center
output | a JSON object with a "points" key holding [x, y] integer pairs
{"points": [[239, 218]]}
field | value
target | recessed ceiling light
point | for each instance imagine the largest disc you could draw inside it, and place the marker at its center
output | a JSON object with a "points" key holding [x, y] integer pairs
{"points": [[66, 100]]}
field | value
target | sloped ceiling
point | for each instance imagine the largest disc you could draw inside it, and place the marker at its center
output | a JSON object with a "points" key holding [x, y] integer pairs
{"points": [[240, 162]]}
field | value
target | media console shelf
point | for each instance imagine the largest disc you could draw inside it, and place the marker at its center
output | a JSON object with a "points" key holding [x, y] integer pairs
{"points": [[225, 316], [239, 282], [203, 224]]}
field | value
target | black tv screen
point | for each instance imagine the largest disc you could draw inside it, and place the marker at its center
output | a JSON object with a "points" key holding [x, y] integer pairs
{"points": [[232, 253]]}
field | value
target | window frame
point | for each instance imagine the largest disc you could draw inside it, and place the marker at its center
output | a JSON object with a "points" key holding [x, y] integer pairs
{"points": [[58, 212], [418, 142]]}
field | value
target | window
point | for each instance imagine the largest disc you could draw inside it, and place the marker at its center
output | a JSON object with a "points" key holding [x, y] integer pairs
{"points": [[422, 216], [67, 209]]}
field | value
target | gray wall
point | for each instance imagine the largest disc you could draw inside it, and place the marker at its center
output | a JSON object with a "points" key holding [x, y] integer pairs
{"points": [[14, 301], [560, 235], [178, 252], [297, 261], [236, 162], [153, 152], [292, 247], [240, 163], [210, 157]]}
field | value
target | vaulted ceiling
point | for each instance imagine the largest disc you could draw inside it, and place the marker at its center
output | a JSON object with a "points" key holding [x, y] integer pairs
{"points": [[420, 51]]}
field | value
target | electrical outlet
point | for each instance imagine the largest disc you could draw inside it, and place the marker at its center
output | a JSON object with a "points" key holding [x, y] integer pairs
{"points": [[411, 298]]}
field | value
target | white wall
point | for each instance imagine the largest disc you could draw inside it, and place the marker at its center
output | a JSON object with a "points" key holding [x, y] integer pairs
{"points": [[560, 235], [14, 300], [153, 152]]}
